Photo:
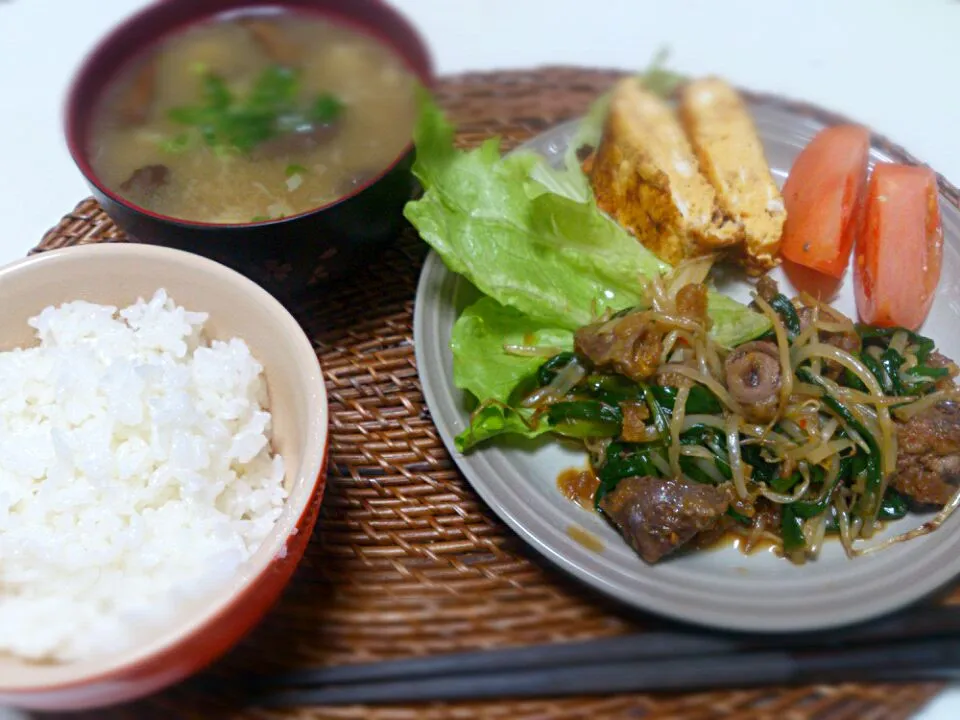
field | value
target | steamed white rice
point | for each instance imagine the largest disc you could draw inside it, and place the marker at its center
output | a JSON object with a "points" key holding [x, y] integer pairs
{"points": [[135, 473]]}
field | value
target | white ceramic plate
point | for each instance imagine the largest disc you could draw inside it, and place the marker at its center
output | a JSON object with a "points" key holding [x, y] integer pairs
{"points": [[720, 588]]}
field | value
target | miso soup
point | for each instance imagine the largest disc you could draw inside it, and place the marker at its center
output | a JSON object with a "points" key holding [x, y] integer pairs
{"points": [[253, 118]]}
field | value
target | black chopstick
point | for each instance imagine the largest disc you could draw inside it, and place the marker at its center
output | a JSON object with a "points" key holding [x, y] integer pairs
{"points": [[625, 647], [916, 624], [911, 660]]}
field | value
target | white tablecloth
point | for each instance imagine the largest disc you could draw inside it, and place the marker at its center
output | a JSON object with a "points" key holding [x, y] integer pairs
{"points": [[892, 64]]}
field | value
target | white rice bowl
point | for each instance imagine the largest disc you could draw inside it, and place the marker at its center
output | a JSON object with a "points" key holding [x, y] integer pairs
{"points": [[136, 473]]}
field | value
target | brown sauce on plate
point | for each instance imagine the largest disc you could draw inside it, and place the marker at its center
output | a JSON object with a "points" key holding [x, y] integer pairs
{"points": [[730, 538], [585, 538], [579, 486]]}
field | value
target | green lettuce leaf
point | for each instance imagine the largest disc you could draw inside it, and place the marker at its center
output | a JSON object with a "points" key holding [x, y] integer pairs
{"points": [[480, 364], [553, 258], [486, 371], [733, 323], [492, 420]]}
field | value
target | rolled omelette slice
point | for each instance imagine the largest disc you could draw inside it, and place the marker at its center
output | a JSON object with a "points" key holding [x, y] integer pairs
{"points": [[731, 156], [645, 175]]}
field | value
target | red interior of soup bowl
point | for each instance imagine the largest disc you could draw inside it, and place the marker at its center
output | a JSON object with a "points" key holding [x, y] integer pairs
{"points": [[141, 32]]}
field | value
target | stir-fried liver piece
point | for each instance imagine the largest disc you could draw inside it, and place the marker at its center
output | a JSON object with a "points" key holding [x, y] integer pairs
{"points": [[658, 515], [635, 416], [928, 460], [692, 303], [630, 345]]}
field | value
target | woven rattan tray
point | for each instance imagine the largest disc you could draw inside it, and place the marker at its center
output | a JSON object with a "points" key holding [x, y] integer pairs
{"points": [[406, 560]]}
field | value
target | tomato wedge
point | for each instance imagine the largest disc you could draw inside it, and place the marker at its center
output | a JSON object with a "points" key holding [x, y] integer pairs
{"points": [[899, 247], [823, 196]]}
